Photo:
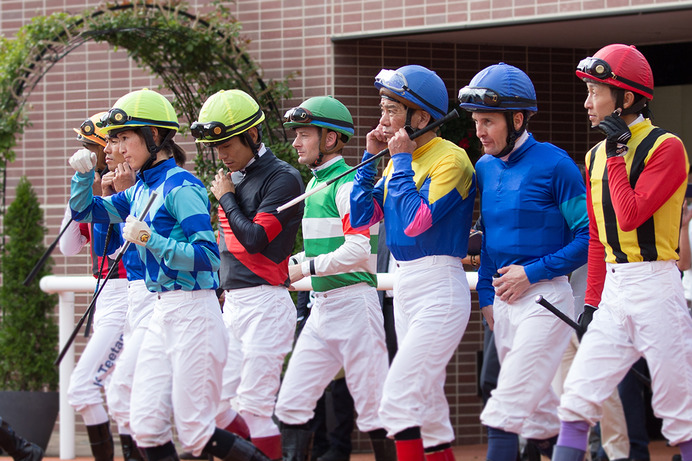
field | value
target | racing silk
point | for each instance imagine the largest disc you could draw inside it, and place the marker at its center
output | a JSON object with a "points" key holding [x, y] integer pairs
{"points": [[254, 240], [96, 236], [130, 261], [181, 253], [340, 255], [634, 202], [426, 199], [533, 211]]}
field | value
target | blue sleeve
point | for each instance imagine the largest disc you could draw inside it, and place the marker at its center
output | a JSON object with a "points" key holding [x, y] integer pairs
{"points": [[570, 195], [484, 285], [366, 198], [199, 252], [100, 236], [87, 208], [448, 184]]}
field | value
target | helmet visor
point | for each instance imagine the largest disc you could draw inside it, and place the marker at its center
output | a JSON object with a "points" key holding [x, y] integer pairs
{"points": [[596, 68]]}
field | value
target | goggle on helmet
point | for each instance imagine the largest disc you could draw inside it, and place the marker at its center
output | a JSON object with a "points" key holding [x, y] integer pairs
{"points": [[139, 109], [226, 114], [89, 132]]}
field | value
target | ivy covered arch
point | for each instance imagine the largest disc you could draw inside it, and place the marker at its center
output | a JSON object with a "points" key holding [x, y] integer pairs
{"points": [[194, 56]]}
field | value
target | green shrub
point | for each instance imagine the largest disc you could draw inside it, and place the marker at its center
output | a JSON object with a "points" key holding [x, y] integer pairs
{"points": [[28, 332]]}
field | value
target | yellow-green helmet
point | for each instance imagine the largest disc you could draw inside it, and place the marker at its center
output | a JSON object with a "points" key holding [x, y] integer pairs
{"points": [[322, 111], [226, 114], [140, 108], [90, 132]]}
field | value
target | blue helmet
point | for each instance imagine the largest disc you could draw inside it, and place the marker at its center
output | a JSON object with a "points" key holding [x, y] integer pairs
{"points": [[500, 87], [418, 86]]}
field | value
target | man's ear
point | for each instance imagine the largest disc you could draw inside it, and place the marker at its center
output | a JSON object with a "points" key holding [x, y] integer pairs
{"points": [[254, 134], [423, 121], [332, 139], [518, 119], [628, 99]]}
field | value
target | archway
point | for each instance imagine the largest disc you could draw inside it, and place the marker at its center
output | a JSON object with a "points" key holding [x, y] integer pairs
{"points": [[194, 56]]}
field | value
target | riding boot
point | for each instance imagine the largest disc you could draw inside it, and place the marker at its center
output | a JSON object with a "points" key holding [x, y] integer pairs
{"points": [[231, 447], [239, 427], [17, 447], [382, 447], [130, 449], [296, 443], [270, 446], [442, 452], [165, 452], [101, 441]]}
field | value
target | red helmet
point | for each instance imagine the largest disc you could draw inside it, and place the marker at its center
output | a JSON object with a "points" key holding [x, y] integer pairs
{"points": [[621, 66]]}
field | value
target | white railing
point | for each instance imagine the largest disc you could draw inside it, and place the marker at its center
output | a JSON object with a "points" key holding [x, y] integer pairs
{"points": [[67, 286]]}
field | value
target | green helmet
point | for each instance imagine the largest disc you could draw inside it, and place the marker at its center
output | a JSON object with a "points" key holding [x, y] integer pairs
{"points": [[140, 108], [323, 111], [226, 114]]}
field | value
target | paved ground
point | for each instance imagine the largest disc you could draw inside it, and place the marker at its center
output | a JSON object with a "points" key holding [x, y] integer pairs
{"points": [[659, 452]]}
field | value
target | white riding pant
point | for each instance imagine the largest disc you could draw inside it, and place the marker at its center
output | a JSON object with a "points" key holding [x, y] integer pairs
{"points": [[345, 329], [432, 305], [100, 354], [643, 313], [179, 371], [530, 342]]}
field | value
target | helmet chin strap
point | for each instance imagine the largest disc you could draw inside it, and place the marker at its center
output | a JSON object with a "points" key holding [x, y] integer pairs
{"points": [[512, 135], [633, 109], [151, 145], [409, 116], [323, 147], [253, 145]]}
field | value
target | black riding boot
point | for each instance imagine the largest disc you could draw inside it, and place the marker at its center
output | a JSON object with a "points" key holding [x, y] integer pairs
{"points": [[101, 441], [232, 447], [296, 443], [17, 447], [382, 447], [130, 449], [165, 452]]}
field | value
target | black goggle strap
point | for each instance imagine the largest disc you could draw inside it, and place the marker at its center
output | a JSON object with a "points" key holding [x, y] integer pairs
{"points": [[111, 119], [420, 98], [288, 117], [491, 98], [201, 130]]}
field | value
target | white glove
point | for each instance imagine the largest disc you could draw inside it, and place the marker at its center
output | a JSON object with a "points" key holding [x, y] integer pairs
{"points": [[83, 160], [136, 231]]}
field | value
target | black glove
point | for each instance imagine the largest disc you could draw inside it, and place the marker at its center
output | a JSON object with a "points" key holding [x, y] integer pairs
{"points": [[585, 318], [617, 134]]}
